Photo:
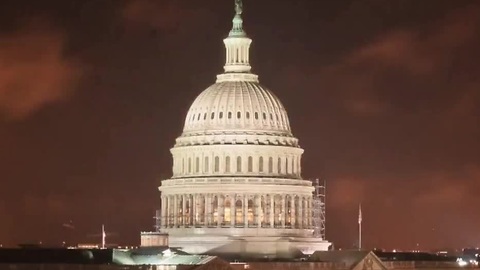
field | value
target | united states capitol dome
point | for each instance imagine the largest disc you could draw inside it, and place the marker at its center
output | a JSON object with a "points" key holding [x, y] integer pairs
{"points": [[229, 106], [237, 102]]}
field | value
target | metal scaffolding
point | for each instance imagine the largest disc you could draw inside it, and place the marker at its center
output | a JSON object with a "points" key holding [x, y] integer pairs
{"points": [[319, 209], [158, 220]]}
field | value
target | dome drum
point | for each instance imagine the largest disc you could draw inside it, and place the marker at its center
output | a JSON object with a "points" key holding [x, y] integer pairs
{"points": [[234, 160]]}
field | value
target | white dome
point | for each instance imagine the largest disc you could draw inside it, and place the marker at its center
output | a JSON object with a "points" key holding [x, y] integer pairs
{"points": [[232, 106]]}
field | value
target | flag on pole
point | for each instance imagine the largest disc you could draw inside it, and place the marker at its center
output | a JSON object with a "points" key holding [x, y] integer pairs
{"points": [[359, 213]]}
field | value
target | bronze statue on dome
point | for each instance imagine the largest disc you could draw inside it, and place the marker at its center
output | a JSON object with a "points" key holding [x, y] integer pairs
{"points": [[238, 7]]}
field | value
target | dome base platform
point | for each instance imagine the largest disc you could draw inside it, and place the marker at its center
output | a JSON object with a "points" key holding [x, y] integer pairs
{"points": [[251, 247]]}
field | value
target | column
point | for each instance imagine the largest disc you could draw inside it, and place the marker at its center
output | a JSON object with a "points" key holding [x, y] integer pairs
{"points": [[195, 212], [233, 211], [264, 210], [310, 212], [221, 210], [208, 210], [184, 208], [292, 211], [163, 212], [272, 211], [282, 213], [245, 211], [258, 210], [169, 201], [175, 210], [300, 212]]}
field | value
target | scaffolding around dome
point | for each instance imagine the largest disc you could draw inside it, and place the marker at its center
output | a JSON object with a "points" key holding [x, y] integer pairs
{"points": [[236, 188]]}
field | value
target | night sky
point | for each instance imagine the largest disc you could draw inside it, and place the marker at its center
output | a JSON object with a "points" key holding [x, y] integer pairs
{"points": [[383, 95]]}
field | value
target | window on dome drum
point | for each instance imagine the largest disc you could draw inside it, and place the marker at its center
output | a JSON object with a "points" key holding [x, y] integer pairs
{"points": [[220, 115], [227, 164], [239, 114], [206, 165], [250, 212], [183, 165], [264, 116], [197, 164], [189, 165], [270, 165], [213, 115], [250, 164], [217, 164], [279, 165], [198, 117], [276, 116], [227, 210], [239, 212], [247, 115], [286, 166], [256, 115], [271, 116], [205, 116], [239, 164], [260, 164], [293, 165], [215, 209], [229, 115]]}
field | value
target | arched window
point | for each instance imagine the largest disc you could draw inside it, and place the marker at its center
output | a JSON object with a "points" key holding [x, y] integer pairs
{"points": [[256, 115], [197, 164], [270, 165], [213, 115], [247, 115], [239, 164], [260, 164], [264, 116], [227, 210], [227, 164], [239, 114], [293, 166], [229, 115], [205, 166], [205, 116], [239, 212], [250, 214], [250, 164], [217, 164], [220, 115], [198, 118], [271, 116], [287, 169], [279, 165]]}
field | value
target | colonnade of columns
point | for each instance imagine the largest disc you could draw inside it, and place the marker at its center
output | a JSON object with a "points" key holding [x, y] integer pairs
{"points": [[236, 210]]}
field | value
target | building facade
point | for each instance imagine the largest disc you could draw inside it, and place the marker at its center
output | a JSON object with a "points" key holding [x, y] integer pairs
{"points": [[236, 186]]}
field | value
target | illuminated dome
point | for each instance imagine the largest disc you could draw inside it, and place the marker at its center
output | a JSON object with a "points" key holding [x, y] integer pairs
{"points": [[232, 105], [236, 184]]}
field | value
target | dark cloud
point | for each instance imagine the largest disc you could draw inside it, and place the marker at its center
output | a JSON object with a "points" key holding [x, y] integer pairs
{"points": [[33, 70]]}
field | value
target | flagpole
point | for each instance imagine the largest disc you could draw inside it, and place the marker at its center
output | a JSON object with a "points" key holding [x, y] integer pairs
{"points": [[360, 226]]}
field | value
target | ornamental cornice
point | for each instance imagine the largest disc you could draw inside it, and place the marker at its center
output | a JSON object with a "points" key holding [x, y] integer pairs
{"points": [[264, 149], [226, 189], [243, 138], [250, 181]]}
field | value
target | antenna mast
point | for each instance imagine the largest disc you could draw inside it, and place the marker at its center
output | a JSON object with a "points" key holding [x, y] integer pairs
{"points": [[104, 235], [319, 197]]}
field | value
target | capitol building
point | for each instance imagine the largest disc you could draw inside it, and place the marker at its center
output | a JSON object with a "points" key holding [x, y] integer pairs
{"points": [[236, 188]]}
